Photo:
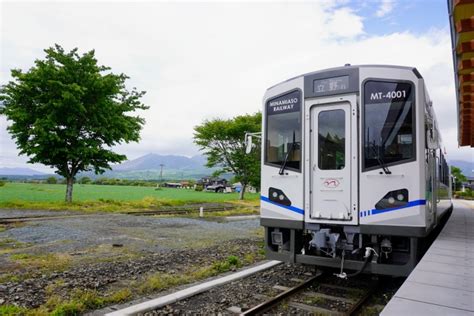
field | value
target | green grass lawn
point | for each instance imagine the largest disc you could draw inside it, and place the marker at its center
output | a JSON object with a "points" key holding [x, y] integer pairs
{"points": [[92, 192], [104, 197]]}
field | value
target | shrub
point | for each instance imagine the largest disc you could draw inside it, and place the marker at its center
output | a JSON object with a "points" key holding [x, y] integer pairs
{"points": [[233, 261], [51, 180], [2, 183], [85, 180], [199, 188]]}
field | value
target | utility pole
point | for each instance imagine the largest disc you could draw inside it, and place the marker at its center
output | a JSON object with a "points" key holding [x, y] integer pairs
{"points": [[161, 172]]}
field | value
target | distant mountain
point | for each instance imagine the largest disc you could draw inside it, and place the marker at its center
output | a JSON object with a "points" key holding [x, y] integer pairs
{"points": [[200, 159], [148, 167], [154, 161], [467, 167], [20, 172]]}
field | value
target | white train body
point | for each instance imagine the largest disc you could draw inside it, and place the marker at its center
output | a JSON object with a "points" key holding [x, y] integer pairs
{"points": [[351, 158]]}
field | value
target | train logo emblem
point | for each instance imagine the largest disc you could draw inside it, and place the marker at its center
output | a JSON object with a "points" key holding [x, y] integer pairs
{"points": [[331, 183]]}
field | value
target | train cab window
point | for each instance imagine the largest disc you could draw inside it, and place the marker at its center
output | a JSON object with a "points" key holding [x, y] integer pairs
{"points": [[283, 131], [388, 123], [332, 139]]}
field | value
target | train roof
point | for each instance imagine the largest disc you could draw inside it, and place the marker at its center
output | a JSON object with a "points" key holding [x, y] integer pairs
{"points": [[348, 66]]}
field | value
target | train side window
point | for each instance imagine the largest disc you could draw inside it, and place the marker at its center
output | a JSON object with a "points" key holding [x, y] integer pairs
{"points": [[331, 139], [389, 123]]}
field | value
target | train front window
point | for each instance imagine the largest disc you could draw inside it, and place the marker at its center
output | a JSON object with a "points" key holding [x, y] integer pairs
{"points": [[389, 123], [283, 131], [332, 139]]}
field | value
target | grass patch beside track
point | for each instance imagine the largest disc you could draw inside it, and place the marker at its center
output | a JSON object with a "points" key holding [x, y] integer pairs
{"points": [[43, 262], [108, 198]]}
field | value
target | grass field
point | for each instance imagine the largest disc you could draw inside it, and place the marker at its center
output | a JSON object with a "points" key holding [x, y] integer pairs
{"points": [[104, 197]]}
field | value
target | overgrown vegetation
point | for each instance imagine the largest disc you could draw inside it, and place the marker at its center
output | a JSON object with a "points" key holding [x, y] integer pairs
{"points": [[12, 310], [467, 194], [80, 301], [159, 281], [42, 262]]}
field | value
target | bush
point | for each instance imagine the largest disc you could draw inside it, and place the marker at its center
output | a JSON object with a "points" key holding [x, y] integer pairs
{"points": [[199, 188], [85, 180], [466, 194], [2, 183], [51, 180]]}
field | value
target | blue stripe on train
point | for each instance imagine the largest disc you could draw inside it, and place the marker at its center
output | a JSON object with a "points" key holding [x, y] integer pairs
{"points": [[291, 208], [375, 211], [362, 214]]}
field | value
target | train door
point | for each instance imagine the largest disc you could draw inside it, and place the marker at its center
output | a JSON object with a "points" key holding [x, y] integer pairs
{"points": [[431, 181], [331, 175]]}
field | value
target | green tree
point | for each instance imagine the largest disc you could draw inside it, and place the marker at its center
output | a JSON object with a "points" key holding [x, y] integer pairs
{"points": [[459, 177], [51, 180], [223, 143], [67, 112]]}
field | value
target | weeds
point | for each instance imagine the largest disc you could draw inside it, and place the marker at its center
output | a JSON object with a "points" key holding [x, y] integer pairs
{"points": [[8, 245], [10, 310], [160, 281], [43, 262], [119, 296], [81, 301], [116, 206]]}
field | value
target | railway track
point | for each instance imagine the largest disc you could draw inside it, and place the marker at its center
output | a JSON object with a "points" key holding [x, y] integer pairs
{"points": [[181, 210], [188, 210], [261, 292], [20, 219], [309, 297]]}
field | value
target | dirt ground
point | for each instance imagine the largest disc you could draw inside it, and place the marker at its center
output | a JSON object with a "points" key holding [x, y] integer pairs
{"points": [[43, 258]]}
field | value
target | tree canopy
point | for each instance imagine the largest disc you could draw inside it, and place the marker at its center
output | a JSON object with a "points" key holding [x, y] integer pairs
{"points": [[68, 112], [460, 177], [223, 143]]}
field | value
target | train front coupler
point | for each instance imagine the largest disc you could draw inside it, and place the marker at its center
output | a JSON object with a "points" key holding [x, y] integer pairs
{"points": [[369, 253]]}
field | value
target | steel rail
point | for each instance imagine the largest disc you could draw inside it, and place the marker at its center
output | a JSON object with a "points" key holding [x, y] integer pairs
{"points": [[275, 300], [354, 308], [20, 219]]}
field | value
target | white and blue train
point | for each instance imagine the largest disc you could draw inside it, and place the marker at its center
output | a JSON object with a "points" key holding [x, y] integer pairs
{"points": [[353, 173]]}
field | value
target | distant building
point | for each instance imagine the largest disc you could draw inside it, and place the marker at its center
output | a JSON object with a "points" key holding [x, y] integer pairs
{"points": [[468, 184]]}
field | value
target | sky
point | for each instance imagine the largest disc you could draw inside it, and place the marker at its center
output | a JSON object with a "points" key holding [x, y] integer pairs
{"points": [[204, 60]]}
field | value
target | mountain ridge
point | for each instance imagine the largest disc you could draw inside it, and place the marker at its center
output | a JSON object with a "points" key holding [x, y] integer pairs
{"points": [[20, 172]]}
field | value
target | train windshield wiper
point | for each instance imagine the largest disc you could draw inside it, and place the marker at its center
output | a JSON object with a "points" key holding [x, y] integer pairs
{"points": [[292, 147], [380, 160]]}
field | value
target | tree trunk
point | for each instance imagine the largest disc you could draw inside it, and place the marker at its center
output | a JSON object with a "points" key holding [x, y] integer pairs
{"points": [[69, 183], [242, 191]]}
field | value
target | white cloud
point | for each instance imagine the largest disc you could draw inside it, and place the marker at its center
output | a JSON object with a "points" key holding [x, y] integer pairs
{"points": [[199, 61], [345, 23], [386, 6]]}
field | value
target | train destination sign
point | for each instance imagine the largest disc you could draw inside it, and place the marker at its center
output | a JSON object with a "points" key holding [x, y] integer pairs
{"points": [[331, 84], [290, 102]]}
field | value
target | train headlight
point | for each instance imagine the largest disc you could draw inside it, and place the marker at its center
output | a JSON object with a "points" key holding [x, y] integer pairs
{"points": [[275, 195], [391, 200], [281, 197], [400, 197]]}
